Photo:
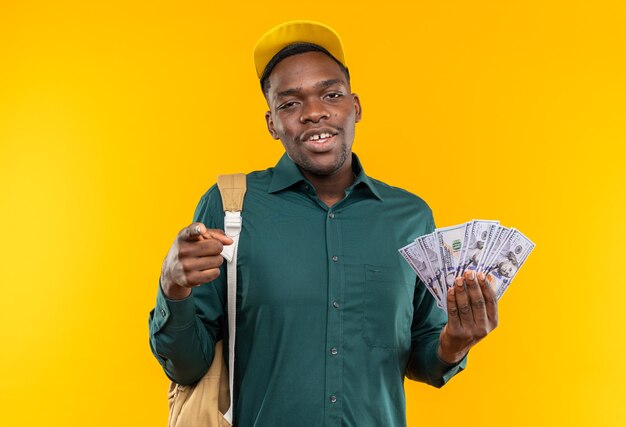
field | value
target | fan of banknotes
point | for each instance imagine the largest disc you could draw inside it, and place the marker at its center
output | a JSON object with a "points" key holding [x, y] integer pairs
{"points": [[479, 245]]}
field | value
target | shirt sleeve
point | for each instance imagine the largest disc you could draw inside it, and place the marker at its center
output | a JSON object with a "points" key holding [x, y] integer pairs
{"points": [[428, 321], [424, 363], [183, 333]]}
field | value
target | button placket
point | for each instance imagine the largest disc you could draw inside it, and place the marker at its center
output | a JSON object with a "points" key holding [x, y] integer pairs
{"points": [[334, 337]]}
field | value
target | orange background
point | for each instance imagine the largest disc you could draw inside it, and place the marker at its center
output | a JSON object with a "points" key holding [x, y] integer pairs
{"points": [[115, 117]]}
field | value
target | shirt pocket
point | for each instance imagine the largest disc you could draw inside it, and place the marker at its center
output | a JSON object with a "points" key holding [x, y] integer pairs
{"points": [[387, 308]]}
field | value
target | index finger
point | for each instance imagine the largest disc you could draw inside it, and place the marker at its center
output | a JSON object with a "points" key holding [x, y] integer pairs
{"points": [[218, 235], [193, 232], [198, 231]]}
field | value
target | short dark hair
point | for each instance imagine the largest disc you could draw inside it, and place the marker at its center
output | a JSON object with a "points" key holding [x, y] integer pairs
{"points": [[295, 49]]}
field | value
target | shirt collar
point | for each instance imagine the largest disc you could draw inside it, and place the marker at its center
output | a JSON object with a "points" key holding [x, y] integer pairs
{"points": [[286, 173], [362, 179]]}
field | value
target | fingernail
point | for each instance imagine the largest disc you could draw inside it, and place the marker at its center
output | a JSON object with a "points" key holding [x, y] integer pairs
{"points": [[472, 275], [197, 230], [459, 283], [481, 276]]}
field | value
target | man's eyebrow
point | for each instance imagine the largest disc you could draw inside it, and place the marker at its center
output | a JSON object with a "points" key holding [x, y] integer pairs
{"points": [[320, 85], [288, 92], [327, 83]]}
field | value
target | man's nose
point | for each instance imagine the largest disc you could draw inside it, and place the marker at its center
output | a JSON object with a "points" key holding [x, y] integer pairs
{"points": [[314, 111]]}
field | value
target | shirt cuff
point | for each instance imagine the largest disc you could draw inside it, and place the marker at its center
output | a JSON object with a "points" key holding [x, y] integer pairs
{"points": [[174, 314], [439, 371]]}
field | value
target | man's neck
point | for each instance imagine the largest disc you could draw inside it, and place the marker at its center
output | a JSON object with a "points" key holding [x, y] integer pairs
{"points": [[332, 188]]}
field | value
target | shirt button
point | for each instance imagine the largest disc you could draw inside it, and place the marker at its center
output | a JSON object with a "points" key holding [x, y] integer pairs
{"points": [[331, 215], [333, 351], [336, 304], [335, 258], [333, 399], [163, 312]]}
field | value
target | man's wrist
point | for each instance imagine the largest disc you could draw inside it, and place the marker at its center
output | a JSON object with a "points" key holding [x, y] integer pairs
{"points": [[450, 358], [173, 291]]}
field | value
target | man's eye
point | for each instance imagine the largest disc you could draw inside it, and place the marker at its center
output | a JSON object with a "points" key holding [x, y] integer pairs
{"points": [[287, 105], [334, 95]]}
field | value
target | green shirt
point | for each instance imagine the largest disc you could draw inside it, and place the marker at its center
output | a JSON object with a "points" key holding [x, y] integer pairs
{"points": [[330, 318]]}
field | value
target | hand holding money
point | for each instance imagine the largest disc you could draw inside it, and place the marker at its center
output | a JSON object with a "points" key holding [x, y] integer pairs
{"points": [[472, 314], [467, 268], [477, 246]]}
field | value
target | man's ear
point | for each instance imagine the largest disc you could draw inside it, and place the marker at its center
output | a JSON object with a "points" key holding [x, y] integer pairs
{"points": [[357, 108], [270, 124]]}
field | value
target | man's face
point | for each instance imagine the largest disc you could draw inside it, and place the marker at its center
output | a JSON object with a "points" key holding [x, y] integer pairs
{"points": [[313, 112]]}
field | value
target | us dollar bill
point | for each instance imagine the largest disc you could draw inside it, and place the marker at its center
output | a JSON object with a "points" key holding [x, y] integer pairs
{"points": [[508, 260], [413, 254], [450, 243], [431, 255], [495, 239], [479, 245], [475, 243], [410, 254]]}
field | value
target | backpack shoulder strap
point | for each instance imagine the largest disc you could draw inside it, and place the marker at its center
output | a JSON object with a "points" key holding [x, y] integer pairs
{"points": [[233, 190]]}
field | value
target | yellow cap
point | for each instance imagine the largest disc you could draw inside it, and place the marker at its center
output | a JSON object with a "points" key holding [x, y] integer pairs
{"points": [[293, 32]]}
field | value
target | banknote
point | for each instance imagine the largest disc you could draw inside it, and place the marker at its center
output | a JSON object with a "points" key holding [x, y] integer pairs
{"points": [[494, 240], [479, 245], [507, 261], [476, 238], [431, 254], [413, 254], [410, 254], [450, 243]]}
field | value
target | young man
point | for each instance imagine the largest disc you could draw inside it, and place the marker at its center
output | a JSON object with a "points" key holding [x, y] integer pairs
{"points": [[330, 319]]}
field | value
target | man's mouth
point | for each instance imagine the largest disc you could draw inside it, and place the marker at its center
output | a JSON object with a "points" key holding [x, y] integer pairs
{"points": [[320, 142], [320, 137]]}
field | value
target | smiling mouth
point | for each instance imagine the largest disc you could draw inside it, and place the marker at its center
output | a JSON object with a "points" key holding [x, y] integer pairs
{"points": [[320, 142], [320, 136]]}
